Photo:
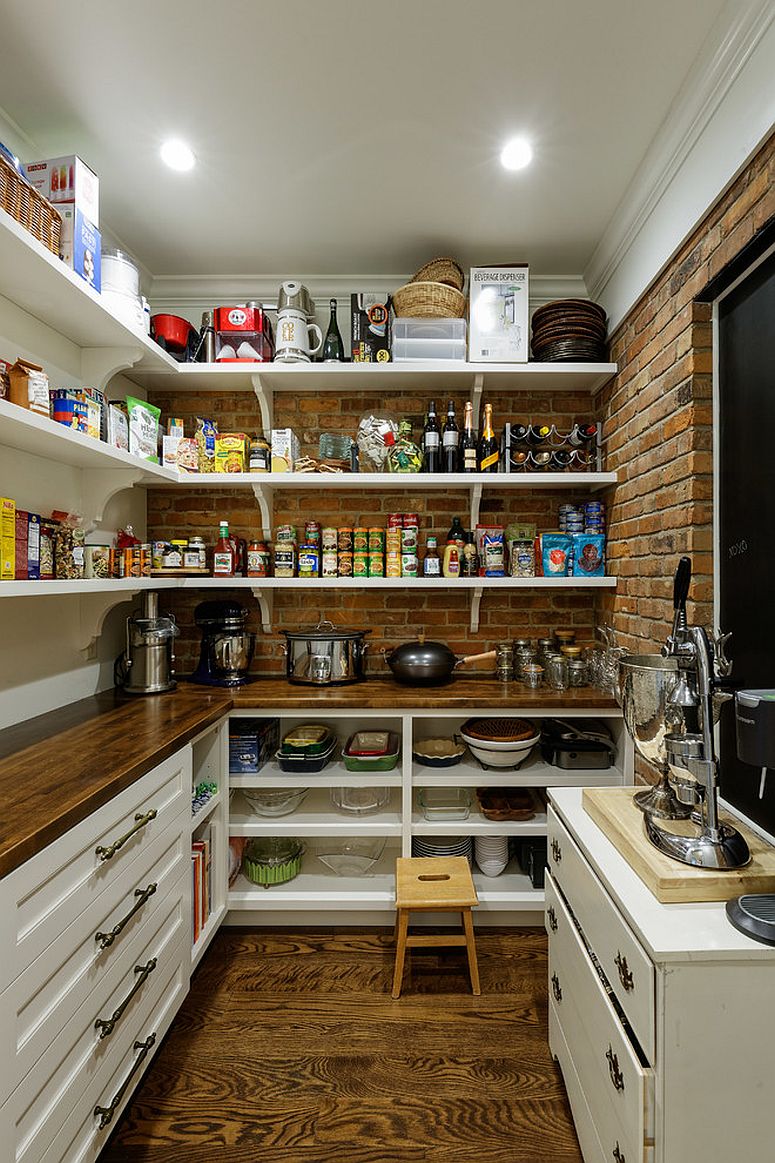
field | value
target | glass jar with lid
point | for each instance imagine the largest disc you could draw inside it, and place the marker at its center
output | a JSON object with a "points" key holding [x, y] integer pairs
{"points": [[533, 675], [577, 672], [557, 672]]}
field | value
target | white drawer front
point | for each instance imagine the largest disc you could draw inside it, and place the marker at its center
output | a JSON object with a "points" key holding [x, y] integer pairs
{"points": [[42, 897], [80, 1068], [40, 1002], [625, 963], [618, 1090], [582, 1116]]}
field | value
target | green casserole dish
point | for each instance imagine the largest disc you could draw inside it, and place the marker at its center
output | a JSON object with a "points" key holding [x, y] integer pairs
{"points": [[384, 762]]}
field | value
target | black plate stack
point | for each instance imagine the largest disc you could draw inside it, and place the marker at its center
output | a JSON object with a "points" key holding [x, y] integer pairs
{"points": [[569, 329]]}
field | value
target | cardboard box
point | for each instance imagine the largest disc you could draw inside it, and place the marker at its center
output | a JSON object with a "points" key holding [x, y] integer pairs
{"points": [[7, 539], [370, 312], [33, 546], [252, 743], [66, 180], [29, 387], [498, 330], [81, 246], [21, 545], [231, 452], [285, 449]]}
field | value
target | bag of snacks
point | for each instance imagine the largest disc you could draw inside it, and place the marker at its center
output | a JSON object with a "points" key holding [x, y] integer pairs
{"points": [[589, 554], [556, 551], [205, 442], [143, 429], [492, 553]]}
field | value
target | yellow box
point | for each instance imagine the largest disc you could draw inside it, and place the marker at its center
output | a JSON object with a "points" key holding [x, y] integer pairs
{"points": [[7, 539], [231, 452]]}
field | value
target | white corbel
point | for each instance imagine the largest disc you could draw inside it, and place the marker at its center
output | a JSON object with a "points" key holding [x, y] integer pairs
{"points": [[99, 485], [265, 398], [264, 597], [264, 495], [100, 364], [94, 609], [476, 600]]}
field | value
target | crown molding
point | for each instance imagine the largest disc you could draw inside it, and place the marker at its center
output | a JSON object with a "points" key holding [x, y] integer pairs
{"points": [[636, 238]]}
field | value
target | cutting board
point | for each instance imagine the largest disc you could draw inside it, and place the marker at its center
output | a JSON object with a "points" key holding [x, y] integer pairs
{"points": [[671, 882]]}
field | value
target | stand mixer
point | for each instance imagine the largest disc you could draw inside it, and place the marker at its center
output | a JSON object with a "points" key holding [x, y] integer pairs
{"points": [[670, 704]]}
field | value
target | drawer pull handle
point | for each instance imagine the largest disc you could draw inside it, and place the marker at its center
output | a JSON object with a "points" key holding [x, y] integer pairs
{"points": [[142, 820], [106, 1026], [556, 988], [556, 851], [625, 973], [617, 1078], [106, 1113], [551, 914], [142, 894], [617, 1154]]}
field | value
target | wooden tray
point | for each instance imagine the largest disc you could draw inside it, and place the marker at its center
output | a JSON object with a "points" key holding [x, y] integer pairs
{"points": [[671, 882]]}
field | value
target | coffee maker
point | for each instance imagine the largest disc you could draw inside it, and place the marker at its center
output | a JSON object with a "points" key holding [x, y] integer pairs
{"points": [[146, 667], [227, 647]]}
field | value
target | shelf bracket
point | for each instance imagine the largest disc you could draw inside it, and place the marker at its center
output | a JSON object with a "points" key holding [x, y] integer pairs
{"points": [[476, 397], [265, 399], [100, 364], [476, 500], [94, 609], [264, 495], [476, 601], [99, 486], [266, 605]]}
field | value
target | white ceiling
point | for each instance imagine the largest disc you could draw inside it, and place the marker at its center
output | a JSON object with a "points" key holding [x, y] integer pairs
{"points": [[337, 137]]}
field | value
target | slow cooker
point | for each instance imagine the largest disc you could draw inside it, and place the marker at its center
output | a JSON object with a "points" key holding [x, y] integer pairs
{"points": [[325, 655]]}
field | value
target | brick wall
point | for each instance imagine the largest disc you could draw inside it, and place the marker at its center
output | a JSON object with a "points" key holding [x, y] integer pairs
{"points": [[393, 617], [658, 419]]}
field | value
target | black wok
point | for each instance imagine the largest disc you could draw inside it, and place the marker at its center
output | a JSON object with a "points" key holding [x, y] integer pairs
{"points": [[423, 663]]}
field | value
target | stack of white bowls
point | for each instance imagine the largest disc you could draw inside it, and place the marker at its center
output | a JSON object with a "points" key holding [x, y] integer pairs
{"points": [[492, 854], [121, 289]]}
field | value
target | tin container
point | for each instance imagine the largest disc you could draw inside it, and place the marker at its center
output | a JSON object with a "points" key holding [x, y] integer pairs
{"points": [[96, 560], [395, 520], [376, 539], [376, 564], [329, 538], [392, 565], [344, 539], [360, 564], [393, 541], [409, 539], [361, 539], [409, 565], [344, 563], [329, 563]]}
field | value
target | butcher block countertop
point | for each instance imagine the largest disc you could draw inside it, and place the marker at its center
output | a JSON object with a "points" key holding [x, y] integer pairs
{"points": [[57, 768]]}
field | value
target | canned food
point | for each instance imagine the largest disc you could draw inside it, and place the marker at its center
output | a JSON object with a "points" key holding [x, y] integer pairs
{"points": [[309, 560], [286, 533], [360, 539], [97, 560], [344, 563], [409, 565], [376, 565], [158, 549], [329, 538], [393, 541], [376, 539], [409, 539], [395, 520], [344, 539], [145, 559], [360, 564], [392, 565], [329, 563]]}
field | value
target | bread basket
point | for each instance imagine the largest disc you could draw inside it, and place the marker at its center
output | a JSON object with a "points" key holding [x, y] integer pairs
{"points": [[441, 270], [428, 300]]}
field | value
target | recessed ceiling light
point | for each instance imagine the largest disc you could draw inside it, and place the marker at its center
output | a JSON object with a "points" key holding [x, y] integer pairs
{"points": [[177, 155], [516, 154]]}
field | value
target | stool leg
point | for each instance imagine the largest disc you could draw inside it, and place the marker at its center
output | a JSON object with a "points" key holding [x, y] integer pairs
{"points": [[473, 965], [402, 926]]}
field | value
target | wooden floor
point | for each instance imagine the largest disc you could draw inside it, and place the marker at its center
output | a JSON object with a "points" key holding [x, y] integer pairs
{"points": [[289, 1049]]}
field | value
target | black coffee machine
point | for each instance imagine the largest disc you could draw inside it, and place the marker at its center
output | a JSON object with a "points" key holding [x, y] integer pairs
{"points": [[227, 647]]}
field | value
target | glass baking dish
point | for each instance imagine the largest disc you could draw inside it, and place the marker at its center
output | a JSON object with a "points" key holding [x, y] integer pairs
{"points": [[359, 801], [444, 803]]}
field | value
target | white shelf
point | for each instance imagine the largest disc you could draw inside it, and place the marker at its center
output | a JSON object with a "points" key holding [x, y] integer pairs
{"points": [[334, 775], [533, 773], [212, 924], [128, 585], [511, 890], [205, 811], [396, 583], [404, 376], [477, 825], [385, 481], [318, 887], [315, 817], [38, 435], [38, 282]]}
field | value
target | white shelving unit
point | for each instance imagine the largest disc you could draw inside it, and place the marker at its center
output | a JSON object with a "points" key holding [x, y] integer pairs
{"points": [[316, 889]]}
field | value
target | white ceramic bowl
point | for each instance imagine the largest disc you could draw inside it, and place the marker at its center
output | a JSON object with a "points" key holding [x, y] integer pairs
{"points": [[495, 754]]}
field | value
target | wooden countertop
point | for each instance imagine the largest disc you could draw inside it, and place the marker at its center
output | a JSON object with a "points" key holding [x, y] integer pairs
{"points": [[59, 767]]}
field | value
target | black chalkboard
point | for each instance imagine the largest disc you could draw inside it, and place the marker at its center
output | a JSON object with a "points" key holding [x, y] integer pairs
{"points": [[746, 513]]}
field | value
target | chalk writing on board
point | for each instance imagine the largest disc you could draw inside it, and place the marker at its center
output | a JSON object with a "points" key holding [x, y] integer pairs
{"points": [[739, 548]]}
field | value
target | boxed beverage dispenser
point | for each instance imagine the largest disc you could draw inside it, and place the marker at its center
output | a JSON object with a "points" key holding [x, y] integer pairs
{"points": [[498, 318], [370, 327], [243, 334]]}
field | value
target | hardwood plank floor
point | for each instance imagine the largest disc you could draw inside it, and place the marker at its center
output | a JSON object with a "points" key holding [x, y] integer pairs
{"points": [[289, 1049]]}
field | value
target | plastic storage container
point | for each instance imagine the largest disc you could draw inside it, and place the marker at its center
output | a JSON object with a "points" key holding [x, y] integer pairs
{"points": [[429, 339], [305, 765], [444, 803]]}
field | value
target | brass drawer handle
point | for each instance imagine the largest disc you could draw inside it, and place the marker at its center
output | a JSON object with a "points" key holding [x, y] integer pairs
{"points": [[556, 988], [625, 973], [106, 1026], [142, 894], [106, 1113], [142, 820], [617, 1154], [617, 1078], [551, 914]]}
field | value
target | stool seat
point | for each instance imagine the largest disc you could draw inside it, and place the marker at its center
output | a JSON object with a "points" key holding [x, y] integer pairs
{"points": [[440, 884]]}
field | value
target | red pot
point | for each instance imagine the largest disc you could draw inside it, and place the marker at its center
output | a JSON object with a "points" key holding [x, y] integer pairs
{"points": [[172, 330]]}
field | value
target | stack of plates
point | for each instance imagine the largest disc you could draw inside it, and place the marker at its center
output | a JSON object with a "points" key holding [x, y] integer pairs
{"points": [[492, 854], [569, 329], [442, 846]]}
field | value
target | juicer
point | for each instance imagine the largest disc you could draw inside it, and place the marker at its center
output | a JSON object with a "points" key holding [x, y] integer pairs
{"points": [[146, 666]]}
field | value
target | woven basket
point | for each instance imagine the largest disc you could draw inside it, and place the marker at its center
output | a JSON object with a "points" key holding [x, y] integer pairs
{"points": [[428, 301], [441, 270], [34, 212]]}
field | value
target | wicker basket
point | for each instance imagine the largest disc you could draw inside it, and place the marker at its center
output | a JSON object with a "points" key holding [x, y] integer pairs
{"points": [[428, 301], [34, 212], [441, 270]]}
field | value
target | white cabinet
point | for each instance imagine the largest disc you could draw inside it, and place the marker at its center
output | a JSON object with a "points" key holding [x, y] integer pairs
{"points": [[660, 1016], [351, 899], [97, 933]]}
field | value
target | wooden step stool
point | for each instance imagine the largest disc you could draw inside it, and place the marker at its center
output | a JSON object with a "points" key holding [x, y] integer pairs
{"points": [[441, 884]]}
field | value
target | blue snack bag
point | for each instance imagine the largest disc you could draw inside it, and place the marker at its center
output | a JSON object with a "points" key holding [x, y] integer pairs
{"points": [[589, 555], [555, 550]]}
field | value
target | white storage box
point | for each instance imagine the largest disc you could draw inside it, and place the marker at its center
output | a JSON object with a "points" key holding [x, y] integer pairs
{"points": [[429, 339], [499, 314]]}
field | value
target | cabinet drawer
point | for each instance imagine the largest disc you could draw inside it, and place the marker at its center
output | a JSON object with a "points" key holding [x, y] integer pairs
{"points": [[582, 1116], [75, 973], [617, 1088], [625, 963], [58, 1096], [46, 894]]}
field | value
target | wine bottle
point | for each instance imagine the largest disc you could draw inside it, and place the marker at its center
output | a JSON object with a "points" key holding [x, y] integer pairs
{"points": [[431, 442], [457, 533], [468, 460], [333, 348], [582, 434], [561, 459], [538, 433], [518, 433], [450, 439], [489, 450]]}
